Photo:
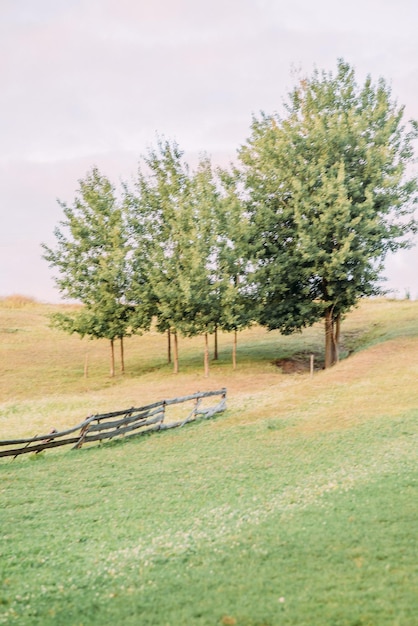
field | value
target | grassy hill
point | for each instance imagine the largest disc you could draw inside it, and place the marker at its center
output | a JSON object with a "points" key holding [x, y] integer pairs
{"points": [[296, 506]]}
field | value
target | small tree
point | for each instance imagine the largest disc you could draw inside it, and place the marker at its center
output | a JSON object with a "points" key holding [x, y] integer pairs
{"points": [[153, 220], [328, 197], [235, 306], [177, 212], [198, 245], [92, 260]]}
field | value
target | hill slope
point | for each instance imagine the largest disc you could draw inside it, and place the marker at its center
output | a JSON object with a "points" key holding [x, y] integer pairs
{"points": [[43, 383], [296, 507]]}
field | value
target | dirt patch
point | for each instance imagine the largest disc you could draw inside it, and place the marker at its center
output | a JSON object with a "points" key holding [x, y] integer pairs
{"points": [[297, 364]]}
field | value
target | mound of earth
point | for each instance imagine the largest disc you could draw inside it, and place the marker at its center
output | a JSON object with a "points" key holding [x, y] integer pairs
{"points": [[298, 364]]}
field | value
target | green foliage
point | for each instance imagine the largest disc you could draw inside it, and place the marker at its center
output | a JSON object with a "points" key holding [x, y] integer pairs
{"points": [[236, 310], [298, 232], [103, 320], [91, 257], [186, 223], [160, 217], [328, 197]]}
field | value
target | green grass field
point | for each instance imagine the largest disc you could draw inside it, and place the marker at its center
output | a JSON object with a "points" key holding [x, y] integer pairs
{"points": [[297, 506]]}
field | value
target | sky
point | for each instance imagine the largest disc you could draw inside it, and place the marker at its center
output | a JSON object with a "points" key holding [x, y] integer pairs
{"points": [[88, 83]]}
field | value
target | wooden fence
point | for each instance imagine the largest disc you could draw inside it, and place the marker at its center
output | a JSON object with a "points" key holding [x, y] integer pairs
{"points": [[144, 419]]}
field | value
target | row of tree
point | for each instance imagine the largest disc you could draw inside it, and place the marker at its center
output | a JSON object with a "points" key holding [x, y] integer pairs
{"points": [[164, 251], [295, 231]]}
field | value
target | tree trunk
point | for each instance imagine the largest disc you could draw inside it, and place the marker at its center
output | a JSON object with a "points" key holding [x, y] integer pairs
{"points": [[332, 337], [328, 338], [206, 356], [112, 358], [215, 351], [122, 357], [176, 354], [168, 346], [234, 350], [337, 335]]}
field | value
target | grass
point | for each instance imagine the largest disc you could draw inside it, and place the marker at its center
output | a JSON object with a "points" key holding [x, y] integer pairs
{"points": [[296, 507]]}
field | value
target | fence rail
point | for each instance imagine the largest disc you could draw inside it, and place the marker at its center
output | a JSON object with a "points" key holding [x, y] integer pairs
{"points": [[145, 419]]}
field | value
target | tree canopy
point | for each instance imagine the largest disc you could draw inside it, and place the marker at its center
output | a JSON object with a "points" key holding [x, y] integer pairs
{"points": [[328, 195], [187, 244], [297, 231], [92, 259]]}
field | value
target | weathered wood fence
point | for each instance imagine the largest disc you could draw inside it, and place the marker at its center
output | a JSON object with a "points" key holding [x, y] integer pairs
{"points": [[143, 419]]}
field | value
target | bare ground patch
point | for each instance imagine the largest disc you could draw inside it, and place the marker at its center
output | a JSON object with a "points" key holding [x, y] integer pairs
{"points": [[298, 363]]}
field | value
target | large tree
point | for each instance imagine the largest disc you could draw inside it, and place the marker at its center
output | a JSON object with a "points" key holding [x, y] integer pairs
{"points": [[91, 257], [327, 192]]}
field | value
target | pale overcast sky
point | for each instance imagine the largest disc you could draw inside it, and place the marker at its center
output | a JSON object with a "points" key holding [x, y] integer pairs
{"points": [[91, 82]]}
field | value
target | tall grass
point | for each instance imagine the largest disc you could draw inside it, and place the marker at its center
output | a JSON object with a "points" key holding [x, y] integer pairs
{"points": [[297, 506]]}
